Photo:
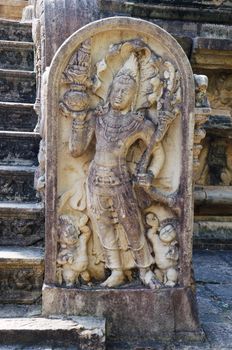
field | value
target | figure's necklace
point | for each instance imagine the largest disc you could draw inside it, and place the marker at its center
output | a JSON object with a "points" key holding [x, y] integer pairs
{"points": [[117, 127]]}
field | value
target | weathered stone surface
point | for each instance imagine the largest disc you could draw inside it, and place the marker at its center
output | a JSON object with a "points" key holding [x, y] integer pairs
{"points": [[19, 147], [12, 9], [221, 333], [202, 11], [124, 310], [213, 200], [21, 224], [168, 16], [210, 233], [215, 306], [73, 15], [17, 86], [220, 88], [215, 165], [17, 184], [16, 55], [20, 310], [15, 31], [21, 274], [219, 124], [210, 270], [214, 295], [212, 53], [85, 333], [213, 195], [17, 116]]}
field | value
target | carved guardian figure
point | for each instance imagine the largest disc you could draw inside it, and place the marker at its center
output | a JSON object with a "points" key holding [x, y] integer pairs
{"points": [[118, 123]]}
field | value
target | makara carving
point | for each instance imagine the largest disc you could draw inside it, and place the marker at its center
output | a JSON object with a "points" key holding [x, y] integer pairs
{"points": [[120, 215]]}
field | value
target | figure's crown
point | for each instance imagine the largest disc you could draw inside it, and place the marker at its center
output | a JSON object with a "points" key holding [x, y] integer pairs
{"points": [[130, 68]]}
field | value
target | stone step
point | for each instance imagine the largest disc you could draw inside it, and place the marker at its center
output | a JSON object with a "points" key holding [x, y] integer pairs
{"points": [[16, 55], [19, 148], [15, 31], [17, 183], [80, 333], [219, 123], [12, 9], [20, 310], [17, 86], [213, 200], [212, 232], [17, 116], [21, 274], [21, 224]]}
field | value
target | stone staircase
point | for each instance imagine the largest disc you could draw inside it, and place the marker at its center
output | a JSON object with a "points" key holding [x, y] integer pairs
{"points": [[21, 212]]}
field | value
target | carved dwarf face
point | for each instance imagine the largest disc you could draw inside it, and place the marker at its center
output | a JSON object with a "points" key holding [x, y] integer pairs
{"points": [[152, 220], [123, 92], [167, 234]]}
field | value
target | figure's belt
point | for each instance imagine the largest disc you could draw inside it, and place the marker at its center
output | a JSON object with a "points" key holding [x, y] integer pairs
{"points": [[109, 176]]}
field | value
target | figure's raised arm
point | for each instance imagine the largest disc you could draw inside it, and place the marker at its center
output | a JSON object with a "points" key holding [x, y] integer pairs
{"points": [[81, 135], [75, 105]]}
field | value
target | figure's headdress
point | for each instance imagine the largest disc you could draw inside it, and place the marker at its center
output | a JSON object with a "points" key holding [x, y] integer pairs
{"points": [[130, 68], [132, 59]]}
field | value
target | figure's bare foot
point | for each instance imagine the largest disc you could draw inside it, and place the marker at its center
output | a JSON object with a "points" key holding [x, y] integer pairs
{"points": [[116, 279], [170, 284], [148, 278], [85, 276]]}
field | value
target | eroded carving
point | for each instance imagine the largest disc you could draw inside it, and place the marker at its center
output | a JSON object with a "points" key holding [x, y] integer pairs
{"points": [[73, 256], [226, 174], [219, 91], [163, 238], [201, 85], [201, 116], [128, 103]]}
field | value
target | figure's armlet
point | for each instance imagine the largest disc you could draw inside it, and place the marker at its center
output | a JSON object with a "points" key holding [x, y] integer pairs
{"points": [[157, 160]]}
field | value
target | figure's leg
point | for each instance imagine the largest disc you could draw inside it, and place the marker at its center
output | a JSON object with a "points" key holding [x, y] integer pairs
{"points": [[137, 242], [172, 277], [107, 235], [149, 279], [69, 276], [85, 276]]}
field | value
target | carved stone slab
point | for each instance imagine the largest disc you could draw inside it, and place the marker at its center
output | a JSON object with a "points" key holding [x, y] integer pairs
{"points": [[119, 119]]}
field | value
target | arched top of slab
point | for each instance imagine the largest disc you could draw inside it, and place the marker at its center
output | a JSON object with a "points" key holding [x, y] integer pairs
{"points": [[124, 24]]}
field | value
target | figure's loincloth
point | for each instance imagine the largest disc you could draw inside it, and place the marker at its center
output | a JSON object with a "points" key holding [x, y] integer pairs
{"points": [[112, 202], [110, 191]]}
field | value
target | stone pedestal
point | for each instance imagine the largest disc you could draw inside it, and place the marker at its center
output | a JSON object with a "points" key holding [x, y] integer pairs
{"points": [[133, 313]]}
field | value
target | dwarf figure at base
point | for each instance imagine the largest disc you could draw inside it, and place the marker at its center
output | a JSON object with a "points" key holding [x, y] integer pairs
{"points": [[72, 256], [164, 245]]}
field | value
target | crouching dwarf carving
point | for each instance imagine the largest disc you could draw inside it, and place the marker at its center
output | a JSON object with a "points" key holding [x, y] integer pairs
{"points": [[163, 240], [137, 104], [72, 255]]}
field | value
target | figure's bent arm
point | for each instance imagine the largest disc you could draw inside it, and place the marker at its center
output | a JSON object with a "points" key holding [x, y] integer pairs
{"points": [[157, 160], [157, 154]]}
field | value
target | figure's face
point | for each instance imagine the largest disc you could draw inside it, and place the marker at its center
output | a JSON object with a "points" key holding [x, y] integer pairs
{"points": [[123, 92], [167, 234], [203, 88], [152, 220]]}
